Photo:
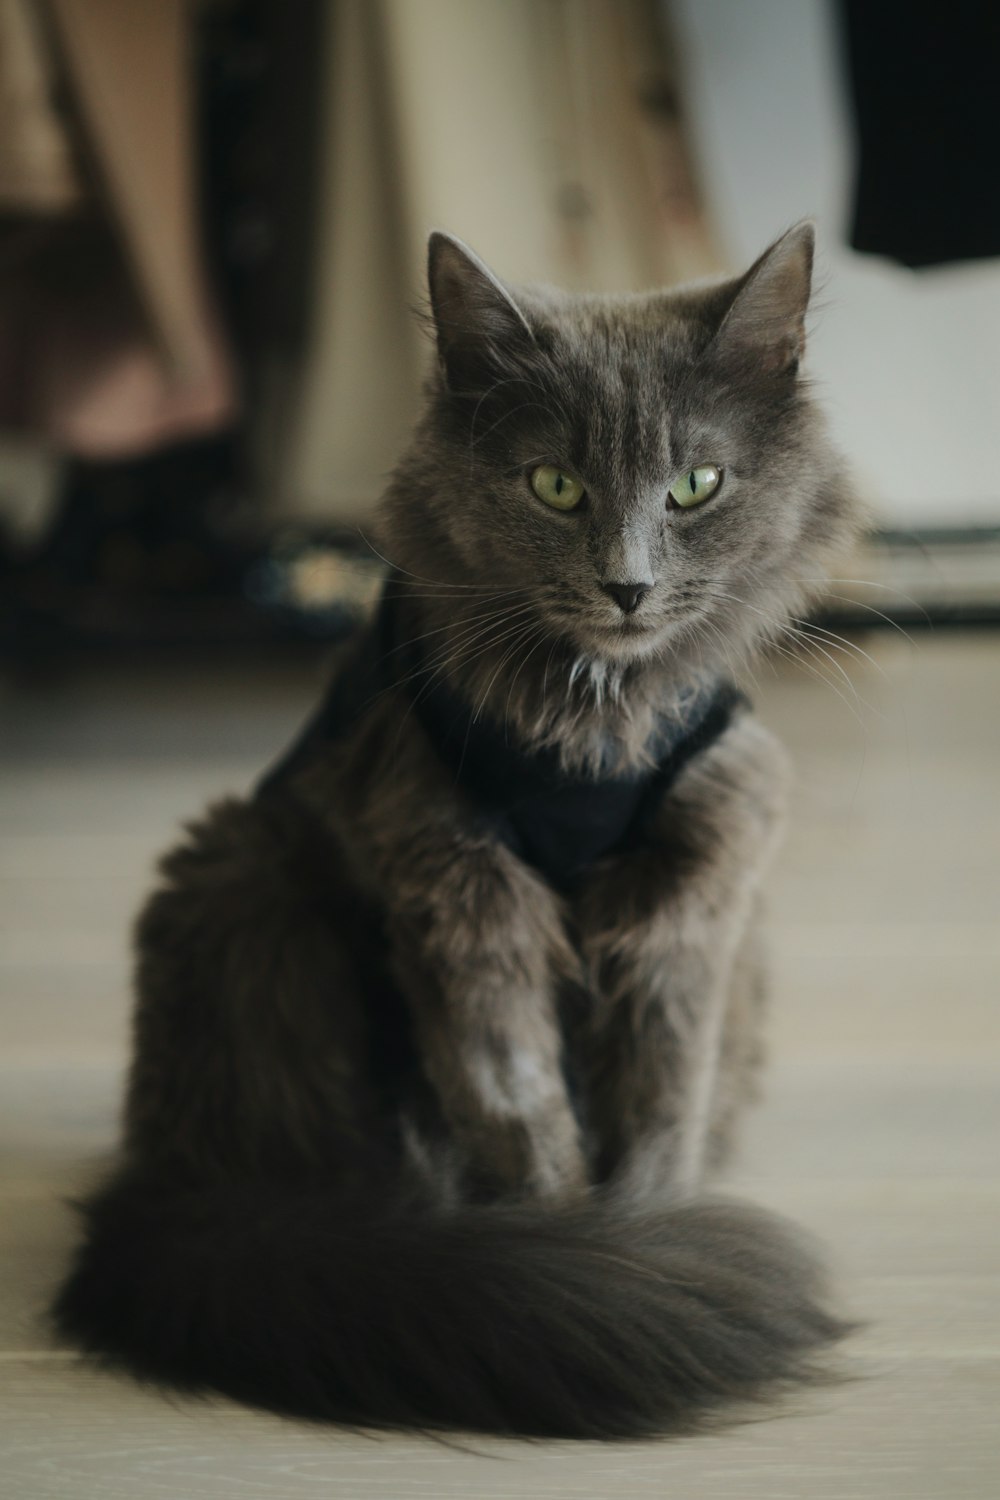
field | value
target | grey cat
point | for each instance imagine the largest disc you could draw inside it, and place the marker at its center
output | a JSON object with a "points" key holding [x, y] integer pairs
{"points": [[440, 1033]]}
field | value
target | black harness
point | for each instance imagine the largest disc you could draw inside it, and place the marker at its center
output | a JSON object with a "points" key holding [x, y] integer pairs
{"points": [[558, 822]]}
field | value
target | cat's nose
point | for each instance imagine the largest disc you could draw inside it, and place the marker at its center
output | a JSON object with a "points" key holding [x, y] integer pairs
{"points": [[628, 595]]}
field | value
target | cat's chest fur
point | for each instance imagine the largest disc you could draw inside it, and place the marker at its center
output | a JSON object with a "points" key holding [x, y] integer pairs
{"points": [[559, 819]]}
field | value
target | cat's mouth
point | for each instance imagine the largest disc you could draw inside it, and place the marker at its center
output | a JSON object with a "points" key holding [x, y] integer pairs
{"points": [[629, 637]]}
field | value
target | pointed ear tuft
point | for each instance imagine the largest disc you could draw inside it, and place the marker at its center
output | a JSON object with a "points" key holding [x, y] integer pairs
{"points": [[475, 315], [766, 318]]}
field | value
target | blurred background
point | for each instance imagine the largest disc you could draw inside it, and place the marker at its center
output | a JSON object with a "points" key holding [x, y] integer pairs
{"points": [[212, 225]]}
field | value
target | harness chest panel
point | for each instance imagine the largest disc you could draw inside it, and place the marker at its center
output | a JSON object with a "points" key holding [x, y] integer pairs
{"points": [[558, 822]]}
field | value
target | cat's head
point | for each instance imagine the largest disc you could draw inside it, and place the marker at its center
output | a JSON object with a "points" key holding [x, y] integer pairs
{"points": [[649, 469]]}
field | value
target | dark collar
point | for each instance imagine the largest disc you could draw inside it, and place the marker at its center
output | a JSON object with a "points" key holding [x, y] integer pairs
{"points": [[559, 821]]}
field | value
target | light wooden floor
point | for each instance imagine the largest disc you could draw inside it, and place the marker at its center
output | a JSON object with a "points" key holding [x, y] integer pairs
{"points": [[881, 1129]]}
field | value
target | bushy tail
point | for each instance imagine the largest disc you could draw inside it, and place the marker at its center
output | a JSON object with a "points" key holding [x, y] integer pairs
{"points": [[583, 1322]]}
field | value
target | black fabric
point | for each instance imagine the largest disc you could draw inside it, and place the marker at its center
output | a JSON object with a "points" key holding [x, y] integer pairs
{"points": [[925, 83], [559, 823]]}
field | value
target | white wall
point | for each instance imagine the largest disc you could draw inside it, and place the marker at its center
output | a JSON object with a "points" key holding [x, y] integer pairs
{"points": [[907, 363]]}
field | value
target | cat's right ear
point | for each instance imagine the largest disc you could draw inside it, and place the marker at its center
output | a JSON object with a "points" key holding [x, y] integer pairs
{"points": [[475, 317], [765, 321]]}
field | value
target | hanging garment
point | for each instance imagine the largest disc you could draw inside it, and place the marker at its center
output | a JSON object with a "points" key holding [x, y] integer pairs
{"points": [[925, 82]]}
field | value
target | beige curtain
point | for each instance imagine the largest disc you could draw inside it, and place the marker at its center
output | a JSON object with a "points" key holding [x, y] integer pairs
{"points": [[546, 133]]}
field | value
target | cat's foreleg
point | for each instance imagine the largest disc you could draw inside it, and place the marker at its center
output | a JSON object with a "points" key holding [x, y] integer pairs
{"points": [[477, 945], [663, 929]]}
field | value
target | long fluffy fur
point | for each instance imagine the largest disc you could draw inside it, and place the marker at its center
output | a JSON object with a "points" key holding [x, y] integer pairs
{"points": [[584, 1322], [321, 975]]}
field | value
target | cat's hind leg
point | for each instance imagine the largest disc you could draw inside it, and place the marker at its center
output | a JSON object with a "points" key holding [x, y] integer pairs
{"points": [[250, 1047]]}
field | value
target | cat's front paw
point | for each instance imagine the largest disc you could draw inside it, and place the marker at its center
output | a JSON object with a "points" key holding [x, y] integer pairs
{"points": [[525, 1159]]}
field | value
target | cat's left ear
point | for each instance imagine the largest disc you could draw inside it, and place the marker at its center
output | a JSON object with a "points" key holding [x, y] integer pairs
{"points": [[475, 316], [766, 319]]}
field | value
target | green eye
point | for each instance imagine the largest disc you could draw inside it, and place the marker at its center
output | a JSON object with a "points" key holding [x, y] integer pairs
{"points": [[695, 486], [556, 488]]}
